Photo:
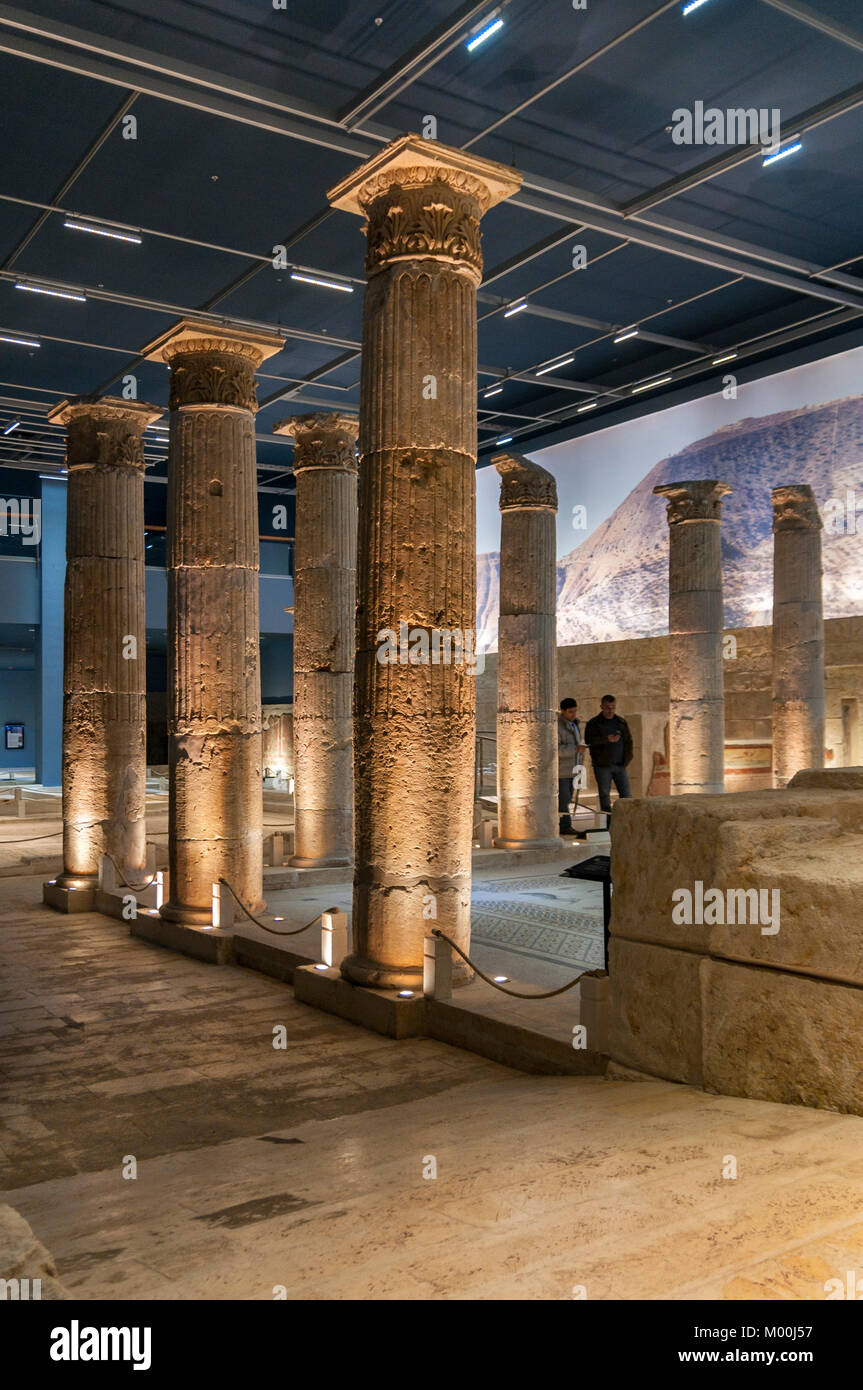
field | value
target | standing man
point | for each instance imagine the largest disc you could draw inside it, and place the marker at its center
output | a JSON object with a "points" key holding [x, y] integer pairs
{"points": [[610, 744], [569, 751]]}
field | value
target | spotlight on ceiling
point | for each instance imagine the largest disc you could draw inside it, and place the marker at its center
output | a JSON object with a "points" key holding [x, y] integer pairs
{"points": [[55, 293], [564, 362], [13, 426], [515, 308], [19, 342], [75, 226], [627, 333], [485, 32], [507, 439], [783, 153], [649, 385], [324, 284]]}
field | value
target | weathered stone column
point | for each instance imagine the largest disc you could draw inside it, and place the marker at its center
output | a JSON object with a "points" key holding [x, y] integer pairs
{"points": [[697, 716], [214, 684], [527, 657], [798, 633], [325, 580], [415, 698], [104, 659]]}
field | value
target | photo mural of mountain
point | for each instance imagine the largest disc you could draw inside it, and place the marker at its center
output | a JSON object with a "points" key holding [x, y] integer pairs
{"points": [[614, 585]]}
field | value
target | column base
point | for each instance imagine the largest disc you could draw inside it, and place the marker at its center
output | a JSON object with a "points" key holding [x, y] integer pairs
{"points": [[327, 861], [554, 843], [201, 916], [361, 971], [71, 892]]}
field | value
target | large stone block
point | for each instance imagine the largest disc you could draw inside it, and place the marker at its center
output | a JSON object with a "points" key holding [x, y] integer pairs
{"points": [[781, 1037], [655, 1010]]}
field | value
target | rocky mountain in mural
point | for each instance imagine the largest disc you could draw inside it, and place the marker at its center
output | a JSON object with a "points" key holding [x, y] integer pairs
{"points": [[615, 584]]}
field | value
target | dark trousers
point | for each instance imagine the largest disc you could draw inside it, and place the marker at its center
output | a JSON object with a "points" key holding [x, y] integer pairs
{"points": [[564, 794], [604, 778]]}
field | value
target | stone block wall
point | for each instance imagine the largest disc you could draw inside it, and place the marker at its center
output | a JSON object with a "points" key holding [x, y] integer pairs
{"points": [[770, 1006]]}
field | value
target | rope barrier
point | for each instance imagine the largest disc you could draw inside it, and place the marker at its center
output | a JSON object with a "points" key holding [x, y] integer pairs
{"points": [[32, 838], [297, 931], [549, 994], [136, 887]]}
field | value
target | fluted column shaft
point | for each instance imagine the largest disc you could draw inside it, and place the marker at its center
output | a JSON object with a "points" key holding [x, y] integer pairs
{"points": [[527, 657], [214, 685], [104, 652], [798, 634], [414, 717], [695, 617], [325, 563]]}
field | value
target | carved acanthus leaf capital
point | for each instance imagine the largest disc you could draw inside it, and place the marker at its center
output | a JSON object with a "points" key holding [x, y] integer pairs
{"points": [[524, 484], [693, 500], [208, 376], [104, 432], [323, 439], [795, 508]]}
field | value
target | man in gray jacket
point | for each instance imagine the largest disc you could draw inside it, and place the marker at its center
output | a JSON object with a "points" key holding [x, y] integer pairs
{"points": [[569, 755]]}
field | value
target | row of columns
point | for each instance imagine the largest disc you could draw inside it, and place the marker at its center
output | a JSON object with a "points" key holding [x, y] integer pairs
{"points": [[695, 625], [411, 567]]}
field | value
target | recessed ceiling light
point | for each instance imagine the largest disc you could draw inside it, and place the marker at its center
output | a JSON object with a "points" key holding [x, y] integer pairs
{"points": [[728, 357], [101, 231], [782, 154], [324, 284], [649, 385], [515, 308], [484, 33], [49, 289], [627, 333], [564, 362], [19, 342]]}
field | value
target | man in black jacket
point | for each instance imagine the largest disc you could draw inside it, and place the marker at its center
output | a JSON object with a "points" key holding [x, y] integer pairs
{"points": [[610, 742]]}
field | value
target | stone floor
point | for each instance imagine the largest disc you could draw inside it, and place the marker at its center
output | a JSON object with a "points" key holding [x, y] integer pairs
{"points": [[305, 1167]]}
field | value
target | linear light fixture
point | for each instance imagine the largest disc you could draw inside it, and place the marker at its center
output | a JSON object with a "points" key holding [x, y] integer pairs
{"points": [[627, 333], [507, 439], [590, 406], [18, 342], [484, 33], [324, 284], [495, 391], [649, 385], [693, 5], [13, 426], [782, 154], [49, 289], [74, 225], [564, 362], [728, 357], [515, 308]]}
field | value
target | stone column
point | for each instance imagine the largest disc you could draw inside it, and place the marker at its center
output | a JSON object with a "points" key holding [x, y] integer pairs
{"points": [[527, 657], [415, 698], [697, 715], [104, 660], [325, 579], [214, 684], [798, 633]]}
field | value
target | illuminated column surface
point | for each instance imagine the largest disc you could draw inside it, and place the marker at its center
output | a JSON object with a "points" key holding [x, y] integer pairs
{"points": [[214, 683], [527, 657], [415, 697], [697, 713], [104, 658], [798, 633], [325, 576]]}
